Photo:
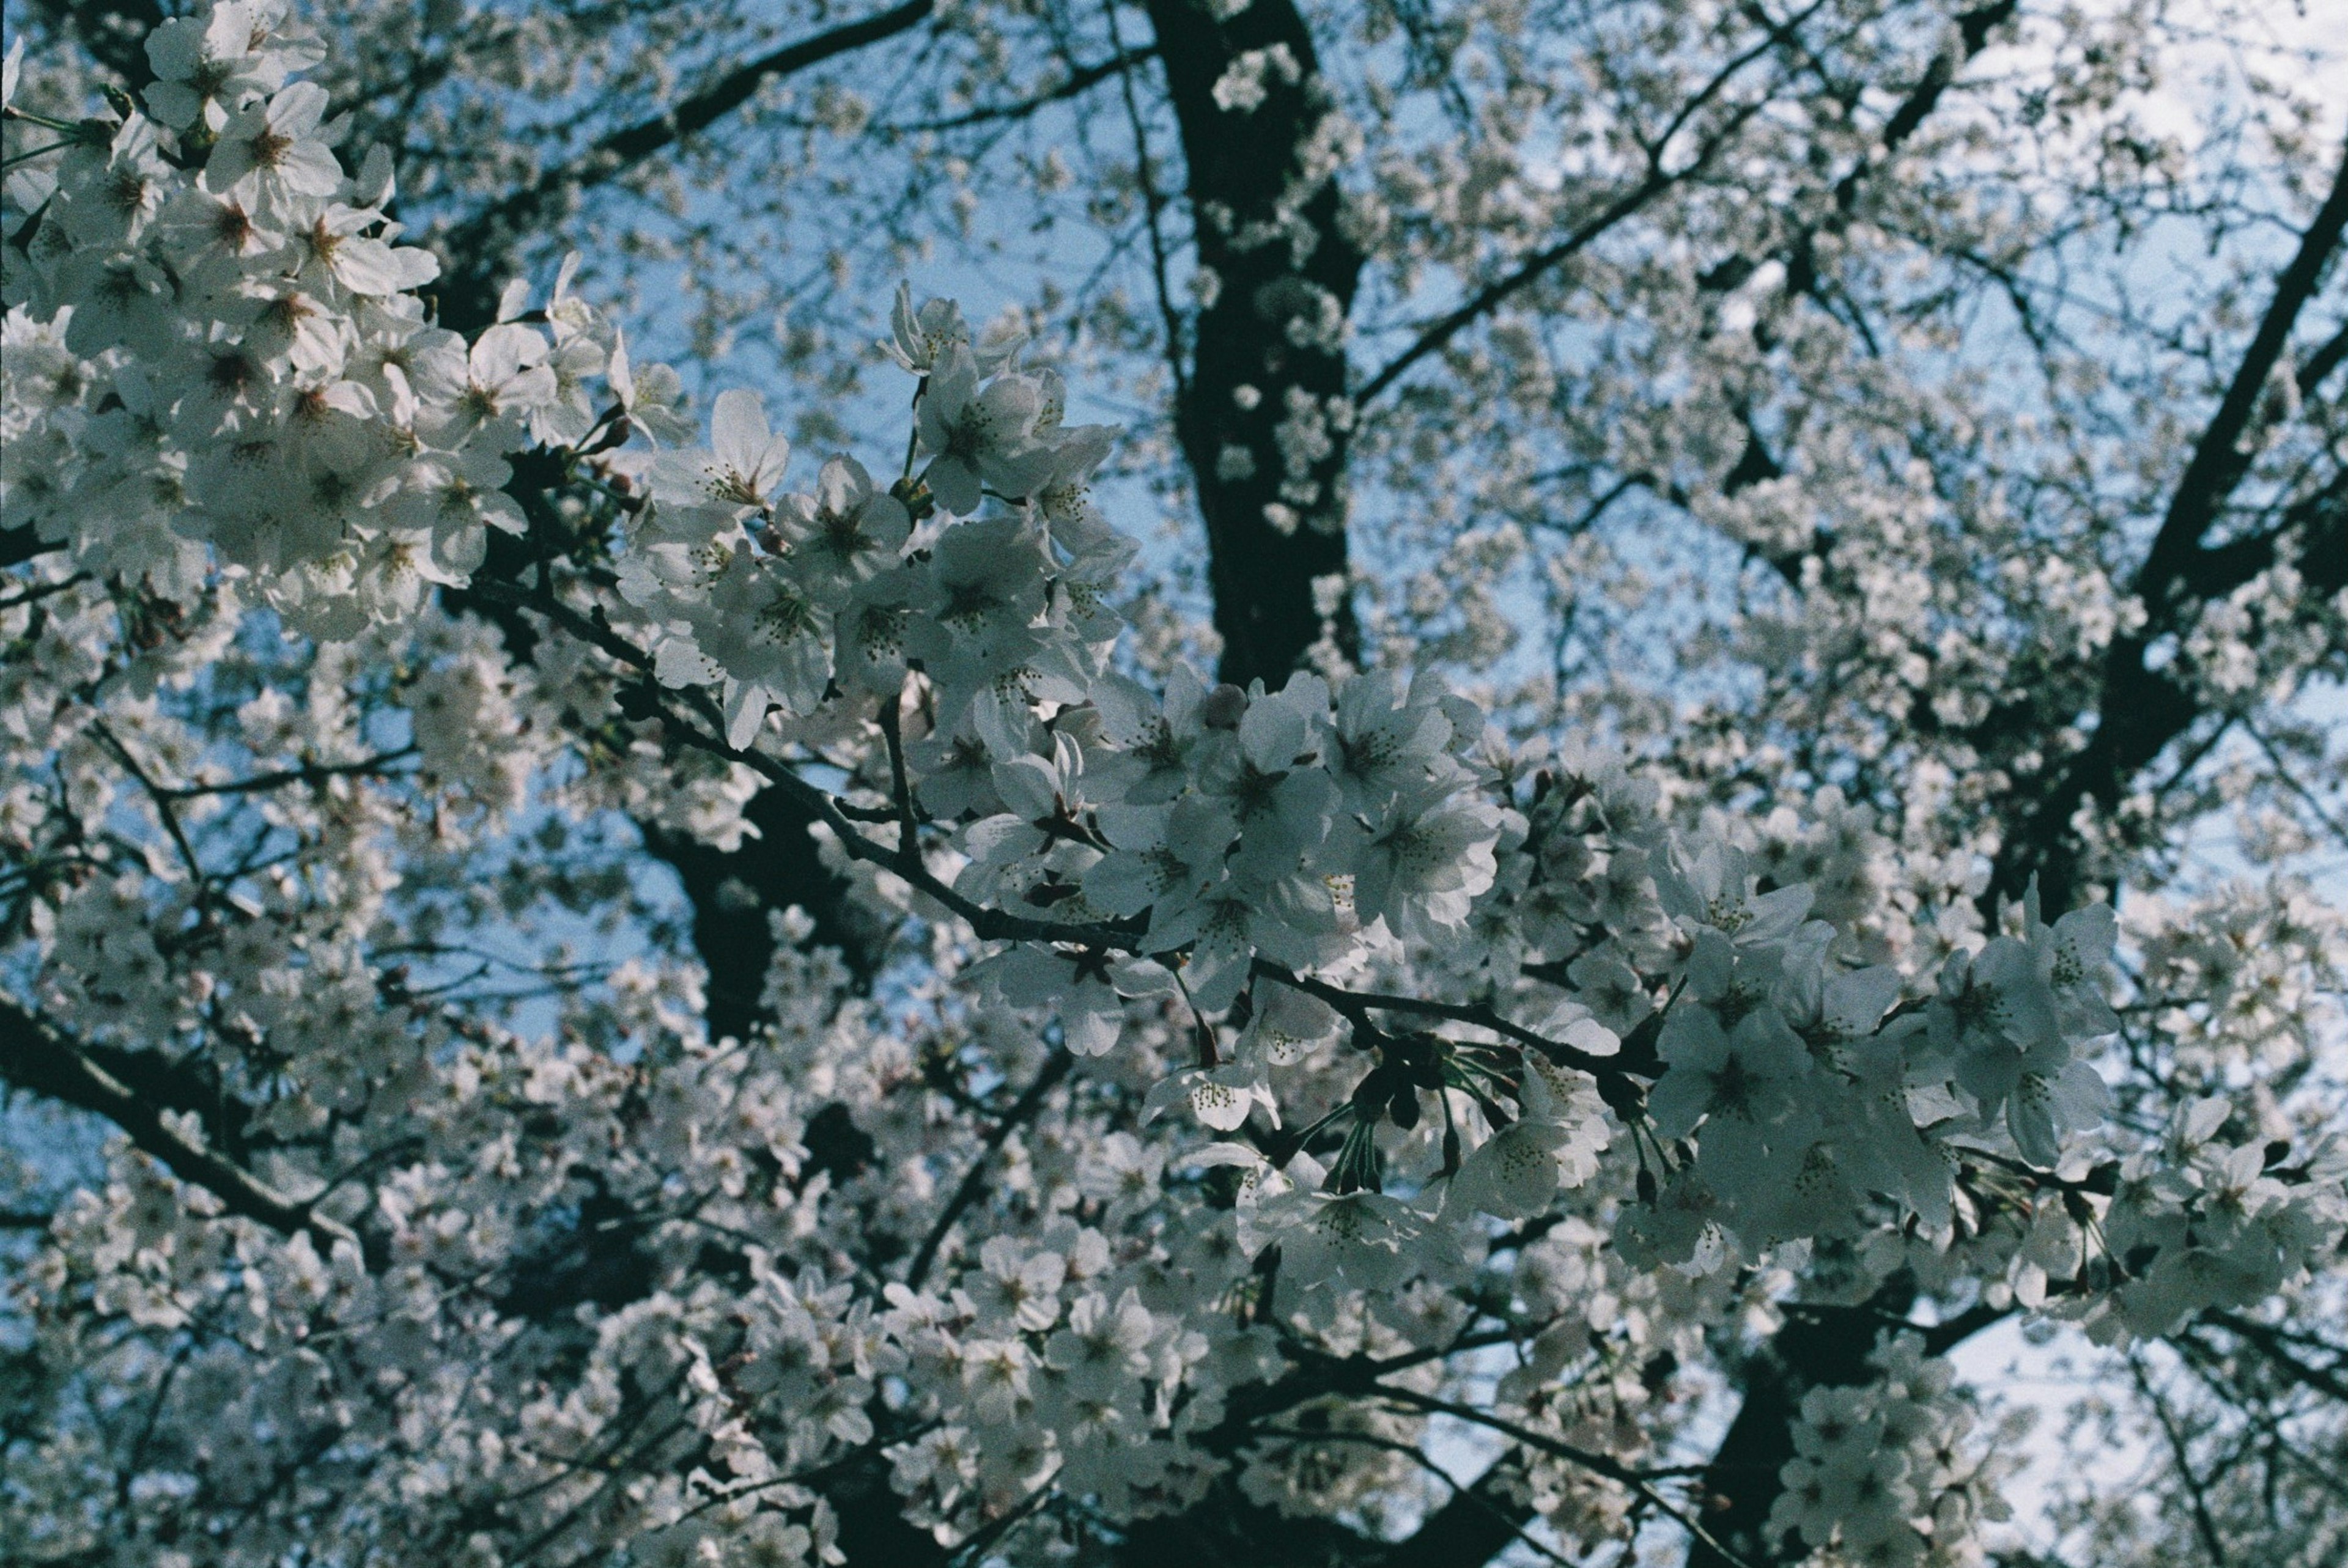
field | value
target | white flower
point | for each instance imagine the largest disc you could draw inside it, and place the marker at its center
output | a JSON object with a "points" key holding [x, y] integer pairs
{"points": [[1894, 1155], [110, 202], [2043, 1106], [872, 626], [1103, 1346], [981, 439], [1016, 1286], [270, 525], [742, 466], [2074, 958], [455, 493], [1557, 1140], [1379, 746], [126, 302], [845, 532], [1289, 1023], [1744, 1072], [1065, 502], [271, 152], [1124, 1172], [1086, 987], [1282, 912], [336, 250], [206, 63], [1155, 743], [1512, 1175], [1164, 859], [1220, 1097], [1267, 771], [956, 775], [214, 241], [652, 396], [984, 595], [1997, 1023], [1713, 884], [674, 554], [940, 1462], [1365, 1240], [994, 1374], [572, 412], [491, 387], [918, 338], [1426, 858], [763, 634], [1832, 1006], [1611, 990]]}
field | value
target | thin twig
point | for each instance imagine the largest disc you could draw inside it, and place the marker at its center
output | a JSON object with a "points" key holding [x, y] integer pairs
{"points": [[313, 772], [966, 1193], [1596, 1464]]}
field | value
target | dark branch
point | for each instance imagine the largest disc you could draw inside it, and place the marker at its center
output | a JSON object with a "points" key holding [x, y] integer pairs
{"points": [[1080, 81], [2273, 1344], [2141, 709], [974, 1179], [1476, 1523], [479, 248], [37, 1057], [1540, 263]]}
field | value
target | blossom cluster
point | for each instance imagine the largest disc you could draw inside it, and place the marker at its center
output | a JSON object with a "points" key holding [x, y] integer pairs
{"points": [[1884, 1475], [272, 392], [1274, 1044], [215, 343]]}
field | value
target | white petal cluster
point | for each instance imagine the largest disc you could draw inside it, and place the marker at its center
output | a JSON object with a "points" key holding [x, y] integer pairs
{"points": [[1262, 1039], [1888, 1474], [291, 410], [215, 345]]}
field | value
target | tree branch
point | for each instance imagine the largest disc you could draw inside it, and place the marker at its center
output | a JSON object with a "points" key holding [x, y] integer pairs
{"points": [[314, 773], [2219, 458], [1080, 81], [1657, 181], [2141, 709], [37, 1057], [1477, 1524], [2271, 1345], [478, 249], [1586, 1459], [966, 1192], [2204, 1525], [903, 860]]}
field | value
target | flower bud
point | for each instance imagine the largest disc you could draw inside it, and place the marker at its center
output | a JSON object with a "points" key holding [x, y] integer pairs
{"points": [[1224, 707]]}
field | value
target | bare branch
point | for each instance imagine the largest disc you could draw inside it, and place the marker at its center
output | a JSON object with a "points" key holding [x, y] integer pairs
{"points": [[1079, 81], [2204, 1525], [1590, 1459], [312, 773], [2276, 1347], [2141, 709]]}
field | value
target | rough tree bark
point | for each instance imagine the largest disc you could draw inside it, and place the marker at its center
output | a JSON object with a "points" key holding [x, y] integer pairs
{"points": [[1267, 347]]}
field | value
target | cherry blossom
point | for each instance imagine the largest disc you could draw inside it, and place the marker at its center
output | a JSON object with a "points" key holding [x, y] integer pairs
{"points": [[1175, 1094]]}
